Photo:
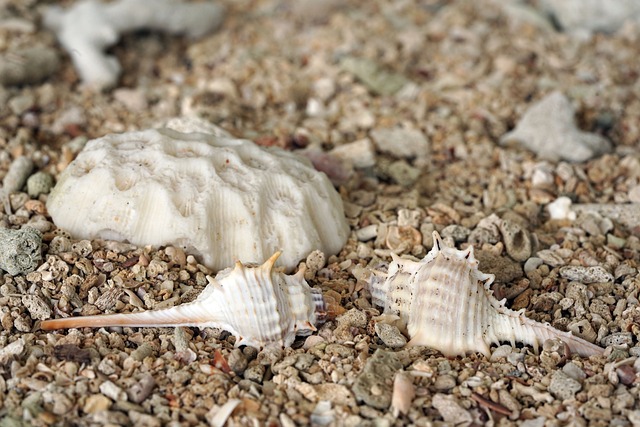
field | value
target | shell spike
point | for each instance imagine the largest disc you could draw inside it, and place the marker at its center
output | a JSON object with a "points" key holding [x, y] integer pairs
{"points": [[268, 264], [437, 241], [300, 273]]}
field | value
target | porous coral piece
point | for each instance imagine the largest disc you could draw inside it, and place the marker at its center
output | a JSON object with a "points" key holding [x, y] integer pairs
{"points": [[20, 250], [548, 129], [90, 26], [221, 198]]}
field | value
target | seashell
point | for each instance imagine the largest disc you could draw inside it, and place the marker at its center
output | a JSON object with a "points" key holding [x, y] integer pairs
{"points": [[213, 196], [446, 303], [258, 305]]}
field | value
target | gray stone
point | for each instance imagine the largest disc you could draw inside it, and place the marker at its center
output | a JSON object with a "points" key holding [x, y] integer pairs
{"points": [[37, 307], [376, 79], [618, 338], [505, 269], [627, 214], [390, 335], [375, 384], [563, 387], [516, 240], [457, 232], [578, 273], [20, 250], [400, 142], [403, 173], [576, 16], [27, 66], [39, 183]]}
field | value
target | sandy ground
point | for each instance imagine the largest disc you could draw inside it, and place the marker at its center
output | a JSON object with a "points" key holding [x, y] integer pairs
{"points": [[409, 99]]}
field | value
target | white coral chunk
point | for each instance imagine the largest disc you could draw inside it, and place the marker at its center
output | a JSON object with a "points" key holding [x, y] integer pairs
{"points": [[89, 26], [223, 199], [548, 129]]}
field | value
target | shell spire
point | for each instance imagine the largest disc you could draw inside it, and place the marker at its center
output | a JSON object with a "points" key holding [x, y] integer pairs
{"points": [[258, 305], [447, 304]]}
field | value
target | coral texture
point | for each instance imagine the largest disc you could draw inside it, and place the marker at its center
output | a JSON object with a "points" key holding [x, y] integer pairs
{"points": [[446, 303], [20, 250], [258, 305], [220, 198]]}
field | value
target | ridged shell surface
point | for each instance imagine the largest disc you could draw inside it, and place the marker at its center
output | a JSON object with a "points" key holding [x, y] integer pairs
{"points": [[446, 304], [258, 305], [220, 198]]}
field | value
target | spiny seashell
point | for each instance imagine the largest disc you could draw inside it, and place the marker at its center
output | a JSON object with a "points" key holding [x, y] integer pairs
{"points": [[446, 303], [221, 198], [258, 305]]}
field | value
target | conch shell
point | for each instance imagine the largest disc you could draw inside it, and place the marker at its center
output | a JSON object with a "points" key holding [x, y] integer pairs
{"points": [[258, 305], [445, 303]]}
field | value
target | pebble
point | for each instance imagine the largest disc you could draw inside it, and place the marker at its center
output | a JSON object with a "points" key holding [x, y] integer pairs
{"points": [[578, 17], [352, 318], [255, 373], [578, 273], [451, 411], [634, 194], [444, 382], [374, 385], [390, 335], [403, 173], [20, 250], [28, 65], [39, 183], [360, 153], [532, 264], [367, 233], [139, 391], [112, 391], [134, 100], [376, 79], [562, 386], [628, 214], [96, 403], [503, 268], [574, 371], [560, 209], [37, 307], [501, 352], [548, 129], [237, 361], [550, 257], [618, 338], [516, 240], [406, 143], [457, 232]]}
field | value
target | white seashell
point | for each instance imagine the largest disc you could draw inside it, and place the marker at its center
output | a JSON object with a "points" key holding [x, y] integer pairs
{"points": [[446, 303], [258, 305], [221, 198]]}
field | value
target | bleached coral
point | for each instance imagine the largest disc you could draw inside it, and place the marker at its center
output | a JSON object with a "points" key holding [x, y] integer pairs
{"points": [[548, 128], [90, 26], [222, 198]]}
